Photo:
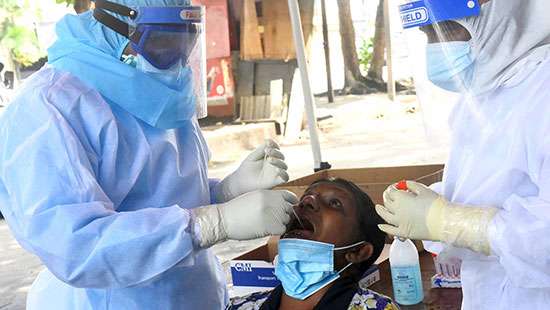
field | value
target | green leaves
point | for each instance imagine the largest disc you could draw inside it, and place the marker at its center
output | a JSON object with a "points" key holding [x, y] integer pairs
{"points": [[365, 53], [68, 2], [23, 44], [17, 30], [10, 6]]}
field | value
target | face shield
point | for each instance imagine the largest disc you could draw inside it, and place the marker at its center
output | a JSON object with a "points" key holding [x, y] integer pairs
{"points": [[440, 56], [165, 37]]}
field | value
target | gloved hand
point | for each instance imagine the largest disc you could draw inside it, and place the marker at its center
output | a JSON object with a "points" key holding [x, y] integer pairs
{"points": [[253, 215], [264, 168], [422, 214]]}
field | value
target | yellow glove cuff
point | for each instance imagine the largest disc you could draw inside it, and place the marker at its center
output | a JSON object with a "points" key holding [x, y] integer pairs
{"points": [[461, 226], [436, 218]]}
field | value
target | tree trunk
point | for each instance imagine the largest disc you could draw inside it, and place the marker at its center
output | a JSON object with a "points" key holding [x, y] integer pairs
{"points": [[378, 55], [307, 10], [349, 49], [81, 6], [355, 83]]}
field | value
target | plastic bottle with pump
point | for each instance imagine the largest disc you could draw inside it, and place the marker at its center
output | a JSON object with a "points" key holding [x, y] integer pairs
{"points": [[405, 268]]}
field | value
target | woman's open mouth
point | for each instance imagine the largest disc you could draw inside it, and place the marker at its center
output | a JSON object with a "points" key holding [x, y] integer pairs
{"points": [[299, 227]]}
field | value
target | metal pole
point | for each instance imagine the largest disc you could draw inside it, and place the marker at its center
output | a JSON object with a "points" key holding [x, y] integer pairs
{"points": [[389, 58], [327, 53], [299, 43]]}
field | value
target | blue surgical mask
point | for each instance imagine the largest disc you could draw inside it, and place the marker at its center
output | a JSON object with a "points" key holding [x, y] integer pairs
{"points": [[304, 266], [450, 65]]}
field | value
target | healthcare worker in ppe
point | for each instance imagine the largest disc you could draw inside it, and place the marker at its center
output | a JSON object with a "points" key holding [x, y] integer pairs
{"points": [[493, 207], [103, 170]]}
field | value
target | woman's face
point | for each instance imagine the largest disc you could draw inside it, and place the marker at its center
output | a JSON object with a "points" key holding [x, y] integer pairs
{"points": [[328, 213]]}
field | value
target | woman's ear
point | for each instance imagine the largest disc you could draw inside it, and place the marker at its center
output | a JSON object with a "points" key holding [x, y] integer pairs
{"points": [[360, 253]]}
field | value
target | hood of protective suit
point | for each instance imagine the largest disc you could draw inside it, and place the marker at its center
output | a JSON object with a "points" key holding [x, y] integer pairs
{"points": [[510, 38], [85, 29], [91, 52]]}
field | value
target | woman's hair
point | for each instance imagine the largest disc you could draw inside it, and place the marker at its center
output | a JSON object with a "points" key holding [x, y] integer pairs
{"points": [[367, 222]]}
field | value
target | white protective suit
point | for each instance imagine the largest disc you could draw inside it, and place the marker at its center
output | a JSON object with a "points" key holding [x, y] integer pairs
{"points": [[500, 156]]}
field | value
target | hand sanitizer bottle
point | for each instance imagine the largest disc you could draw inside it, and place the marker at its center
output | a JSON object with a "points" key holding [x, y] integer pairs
{"points": [[405, 272]]}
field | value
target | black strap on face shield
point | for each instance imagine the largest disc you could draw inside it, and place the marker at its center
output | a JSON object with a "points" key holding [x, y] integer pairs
{"points": [[124, 29]]}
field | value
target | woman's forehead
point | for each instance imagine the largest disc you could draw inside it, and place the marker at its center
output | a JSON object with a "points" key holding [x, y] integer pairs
{"points": [[329, 186]]}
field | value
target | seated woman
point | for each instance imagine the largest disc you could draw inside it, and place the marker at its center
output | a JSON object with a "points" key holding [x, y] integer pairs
{"points": [[328, 246]]}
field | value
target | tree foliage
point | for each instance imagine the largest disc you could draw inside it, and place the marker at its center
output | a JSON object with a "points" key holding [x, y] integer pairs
{"points": [[355, 81], [18, 35], [17, 31], [366, 51]]}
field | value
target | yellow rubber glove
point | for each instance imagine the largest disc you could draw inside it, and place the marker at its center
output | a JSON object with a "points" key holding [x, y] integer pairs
{"points": [[422, 214]]}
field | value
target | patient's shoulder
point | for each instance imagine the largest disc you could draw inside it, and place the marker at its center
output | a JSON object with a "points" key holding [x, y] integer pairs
{"points": [[366, 299], [250, 302]]}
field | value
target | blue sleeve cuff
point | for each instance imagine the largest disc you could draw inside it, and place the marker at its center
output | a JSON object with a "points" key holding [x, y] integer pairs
{"points": [[212, 184]]}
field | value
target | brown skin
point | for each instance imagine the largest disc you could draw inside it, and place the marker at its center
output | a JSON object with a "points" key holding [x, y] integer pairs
{"points": [[129, 50], [331, 212], [447, 31]]}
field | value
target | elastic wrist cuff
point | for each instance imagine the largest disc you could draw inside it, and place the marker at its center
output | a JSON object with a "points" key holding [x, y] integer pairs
{"points": [[209, 222]]}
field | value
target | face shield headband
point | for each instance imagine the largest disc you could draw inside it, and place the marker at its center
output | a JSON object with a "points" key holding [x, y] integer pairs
{"points": [[162, 35], [427, 12]]}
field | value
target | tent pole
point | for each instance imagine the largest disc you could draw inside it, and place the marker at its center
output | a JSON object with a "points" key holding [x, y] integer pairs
{"points": [[299, 44]]}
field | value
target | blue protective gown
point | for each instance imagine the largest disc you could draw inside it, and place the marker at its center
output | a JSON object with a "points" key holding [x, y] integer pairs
{"points": [[101, 197]]}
